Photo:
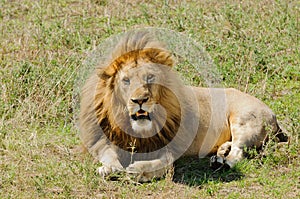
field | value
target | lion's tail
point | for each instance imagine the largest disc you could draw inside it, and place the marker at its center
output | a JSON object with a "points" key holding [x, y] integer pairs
{"points": [[281, 135]]}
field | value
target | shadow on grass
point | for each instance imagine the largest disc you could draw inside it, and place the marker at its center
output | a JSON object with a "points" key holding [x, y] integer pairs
{"points": [[193, 171]]}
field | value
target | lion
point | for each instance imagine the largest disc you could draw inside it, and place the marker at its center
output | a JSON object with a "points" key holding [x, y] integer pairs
{"points": [[137, 116]]}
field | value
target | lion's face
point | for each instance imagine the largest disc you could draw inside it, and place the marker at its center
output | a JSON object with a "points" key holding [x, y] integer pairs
{"points": [[139, 85], [135, 95]]}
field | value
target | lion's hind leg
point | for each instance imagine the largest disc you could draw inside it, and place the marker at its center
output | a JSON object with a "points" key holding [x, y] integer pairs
{"points": [[241, 137], [246, 132]]}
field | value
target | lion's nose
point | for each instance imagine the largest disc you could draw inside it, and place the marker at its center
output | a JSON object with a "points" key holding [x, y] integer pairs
{"points": [[140, 101]]}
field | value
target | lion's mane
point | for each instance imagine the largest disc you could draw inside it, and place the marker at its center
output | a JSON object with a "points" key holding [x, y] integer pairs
{"points": [[102, 110]]}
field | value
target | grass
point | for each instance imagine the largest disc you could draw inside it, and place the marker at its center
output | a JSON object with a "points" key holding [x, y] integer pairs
{"points": [[254, 44]]}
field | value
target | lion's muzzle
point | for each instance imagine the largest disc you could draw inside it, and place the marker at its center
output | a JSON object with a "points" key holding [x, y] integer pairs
{"points": [[140, 101], [141, 115]]}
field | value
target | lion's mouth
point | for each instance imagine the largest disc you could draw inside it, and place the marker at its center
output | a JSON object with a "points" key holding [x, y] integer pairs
{"points": [[141, 115]]}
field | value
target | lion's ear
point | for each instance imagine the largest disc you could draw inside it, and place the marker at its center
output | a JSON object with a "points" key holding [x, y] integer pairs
{"points": [[108, 71], [107, 76], [160, 56]]}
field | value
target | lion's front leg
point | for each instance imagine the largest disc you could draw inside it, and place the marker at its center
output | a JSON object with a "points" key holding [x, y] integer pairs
{"points": [[110, 163], [145, 171]]}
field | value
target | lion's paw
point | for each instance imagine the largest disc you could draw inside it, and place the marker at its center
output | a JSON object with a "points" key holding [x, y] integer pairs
{"points": [[107, 170], [217, 163], [144, 171], [135, 169], [104, 170], [131, 169], [138, 171]]}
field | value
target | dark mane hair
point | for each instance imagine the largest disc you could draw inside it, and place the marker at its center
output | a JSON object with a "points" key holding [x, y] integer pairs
{"points": [[100, 107]]}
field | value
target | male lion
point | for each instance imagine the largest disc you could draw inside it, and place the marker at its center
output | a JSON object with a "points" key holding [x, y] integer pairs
{"points": [[137, 116]]}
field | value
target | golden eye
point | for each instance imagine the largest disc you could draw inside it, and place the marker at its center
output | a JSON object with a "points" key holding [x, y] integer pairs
{"points": [[150, 78], [126, 80]]}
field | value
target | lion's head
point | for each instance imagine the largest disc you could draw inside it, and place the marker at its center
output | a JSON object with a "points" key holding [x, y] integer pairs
{"points": [[137, 95], [139, 90]]}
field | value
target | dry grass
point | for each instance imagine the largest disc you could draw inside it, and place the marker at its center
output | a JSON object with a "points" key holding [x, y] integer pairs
{"points": [[255, 45]]}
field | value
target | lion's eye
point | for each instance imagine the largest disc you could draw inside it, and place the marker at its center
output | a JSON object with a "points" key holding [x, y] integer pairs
{"points": [[150, 78], [126, 80]]}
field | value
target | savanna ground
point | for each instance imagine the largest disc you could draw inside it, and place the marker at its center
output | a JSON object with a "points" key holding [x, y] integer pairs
{"points": [[254, 44]]}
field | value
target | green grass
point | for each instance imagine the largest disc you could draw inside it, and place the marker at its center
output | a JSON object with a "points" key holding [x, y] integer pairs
{"points": [[254, 44]]}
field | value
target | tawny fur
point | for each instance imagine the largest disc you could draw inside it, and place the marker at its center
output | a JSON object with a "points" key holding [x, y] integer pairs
{"points": [[227, 120]]}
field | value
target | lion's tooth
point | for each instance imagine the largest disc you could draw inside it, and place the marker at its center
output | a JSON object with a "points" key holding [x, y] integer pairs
{"points": [[141, 113]]}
